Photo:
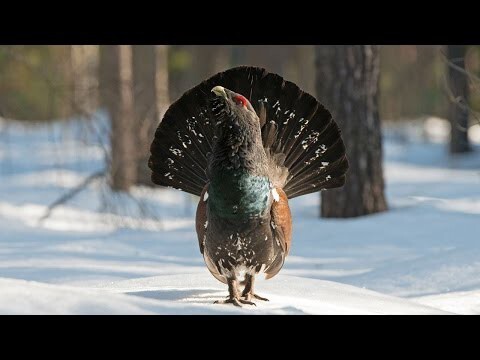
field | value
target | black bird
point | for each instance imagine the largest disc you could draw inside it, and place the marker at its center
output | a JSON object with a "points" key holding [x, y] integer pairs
{"points": [[246, 141]]}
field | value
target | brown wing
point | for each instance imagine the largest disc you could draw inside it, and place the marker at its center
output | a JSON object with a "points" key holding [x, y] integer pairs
{"points": [[282, 231], [201, 217], [282, 218]]}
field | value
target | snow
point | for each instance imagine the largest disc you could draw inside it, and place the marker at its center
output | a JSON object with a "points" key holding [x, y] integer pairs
{"points": [[457, 302], [104, 253], [194, 294]]}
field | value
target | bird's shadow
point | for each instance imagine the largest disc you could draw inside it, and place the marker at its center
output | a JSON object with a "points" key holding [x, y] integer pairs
{"points": [[199, 296], [193, 295]]}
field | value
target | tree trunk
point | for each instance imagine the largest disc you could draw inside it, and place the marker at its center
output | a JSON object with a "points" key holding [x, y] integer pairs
{"points": [[458, 109], [162, 82], [84, 60], [108, 76], [117, 96], [347, 84], [150, 77]]}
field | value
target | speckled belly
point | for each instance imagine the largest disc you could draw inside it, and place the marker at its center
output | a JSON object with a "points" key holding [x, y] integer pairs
{"points": [[234, 248]]}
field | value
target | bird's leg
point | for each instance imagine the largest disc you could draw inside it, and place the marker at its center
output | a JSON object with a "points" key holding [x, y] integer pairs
{"points": [[233, 296], [248, 292]]}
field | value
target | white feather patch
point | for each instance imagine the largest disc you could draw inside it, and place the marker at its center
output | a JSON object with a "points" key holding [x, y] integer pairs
{"points": [[205, 197], [276, 197]]}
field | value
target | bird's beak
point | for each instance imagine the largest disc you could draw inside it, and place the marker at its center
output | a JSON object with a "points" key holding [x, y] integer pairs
{"points": [[219, 91]]}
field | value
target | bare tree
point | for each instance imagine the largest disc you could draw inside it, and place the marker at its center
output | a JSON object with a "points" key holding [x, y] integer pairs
{"points": [[83, 64], [117, 95], [458, 86], [347, 83], [150, 78]]}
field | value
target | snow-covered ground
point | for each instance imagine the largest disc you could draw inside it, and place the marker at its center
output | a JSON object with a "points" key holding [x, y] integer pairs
{"points": [[105, 253]]}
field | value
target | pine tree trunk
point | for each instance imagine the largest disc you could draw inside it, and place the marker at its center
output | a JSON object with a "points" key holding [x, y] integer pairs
{"points": [[117, 96], [458, 112], [347, 84], [108, 76], [162, 83], [150, 76], [84, 62]]}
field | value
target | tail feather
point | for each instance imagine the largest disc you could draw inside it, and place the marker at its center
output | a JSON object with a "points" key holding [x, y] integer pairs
{"points": [[324, 177], [306, 149], [296, 122], [322, 159], [303, 141]]}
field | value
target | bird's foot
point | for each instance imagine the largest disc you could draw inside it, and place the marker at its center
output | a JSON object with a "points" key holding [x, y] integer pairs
{"points": [[249, 296], [235, 301]]}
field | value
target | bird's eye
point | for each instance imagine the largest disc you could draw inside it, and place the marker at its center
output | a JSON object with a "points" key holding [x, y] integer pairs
{"points": [[240, 100]]}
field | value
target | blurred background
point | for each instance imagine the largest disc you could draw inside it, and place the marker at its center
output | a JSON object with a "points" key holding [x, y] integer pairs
{"points": [[47, 83], [77, 205], [117, 94]]}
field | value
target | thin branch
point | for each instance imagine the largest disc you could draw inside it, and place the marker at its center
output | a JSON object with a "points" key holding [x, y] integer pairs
{"points": [[59, 90], [451, 64], [54, 89], [460, 102], [69, 195]]}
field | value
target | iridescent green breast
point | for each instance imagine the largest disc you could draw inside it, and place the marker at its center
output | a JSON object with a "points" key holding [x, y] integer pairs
{"points": [[238, 194]]}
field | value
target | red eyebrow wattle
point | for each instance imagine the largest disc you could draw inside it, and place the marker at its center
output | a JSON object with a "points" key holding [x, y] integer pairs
{"points": [[241, 99]]}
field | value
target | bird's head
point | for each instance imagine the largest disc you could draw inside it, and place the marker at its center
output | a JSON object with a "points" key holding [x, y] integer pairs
{"points": [[232, 110], [238, 138]]}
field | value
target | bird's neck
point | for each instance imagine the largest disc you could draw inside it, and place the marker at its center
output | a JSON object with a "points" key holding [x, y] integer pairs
{"points": [[239, 183], [239, 147]]}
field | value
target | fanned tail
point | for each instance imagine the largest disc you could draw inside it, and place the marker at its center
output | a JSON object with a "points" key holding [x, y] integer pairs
{"points": [[307, 153]]}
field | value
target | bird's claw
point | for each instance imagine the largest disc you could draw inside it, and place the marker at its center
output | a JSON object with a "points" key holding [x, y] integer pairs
{"points": [[235, 301], [258, 297], [249, 296]]}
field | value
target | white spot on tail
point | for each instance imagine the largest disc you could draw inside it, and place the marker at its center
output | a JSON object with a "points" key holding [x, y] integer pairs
{"points": [[205, 197], [175, 151], [206, 224]]}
